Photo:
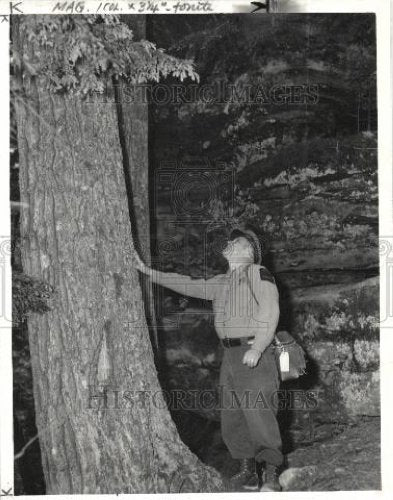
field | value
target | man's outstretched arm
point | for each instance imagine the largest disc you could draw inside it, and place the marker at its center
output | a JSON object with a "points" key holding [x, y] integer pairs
{"points": [[185, 285]]}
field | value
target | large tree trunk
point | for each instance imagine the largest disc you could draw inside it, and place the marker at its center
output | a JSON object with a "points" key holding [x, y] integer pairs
{"points": [[76, 235], [133, 129]]}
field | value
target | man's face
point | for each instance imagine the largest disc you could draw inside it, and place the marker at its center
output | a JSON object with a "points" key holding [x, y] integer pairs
{"points": [[238, 250]]}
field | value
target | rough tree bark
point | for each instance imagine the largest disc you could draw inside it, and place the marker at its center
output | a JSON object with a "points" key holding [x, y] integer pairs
{"points": [[133, 129], [94, 342]]}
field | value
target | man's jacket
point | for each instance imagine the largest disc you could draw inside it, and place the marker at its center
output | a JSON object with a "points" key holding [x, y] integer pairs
{"points": [[243, 304]]}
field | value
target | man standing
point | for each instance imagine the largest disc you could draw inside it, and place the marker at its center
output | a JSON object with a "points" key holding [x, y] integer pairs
{"points": [[246, 312]]}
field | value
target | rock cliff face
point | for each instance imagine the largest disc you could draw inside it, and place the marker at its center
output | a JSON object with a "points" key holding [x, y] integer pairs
{"points": [[348, 461], [303, 173], [319, 217], [319, 214]]}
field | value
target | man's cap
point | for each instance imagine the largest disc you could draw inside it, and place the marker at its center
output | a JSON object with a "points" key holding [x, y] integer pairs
{"points": [[250, 234]]}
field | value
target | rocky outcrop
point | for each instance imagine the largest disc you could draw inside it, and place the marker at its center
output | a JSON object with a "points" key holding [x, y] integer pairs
{"points": [[349, 461], [316, 202], [339, 457], [306, 176]]}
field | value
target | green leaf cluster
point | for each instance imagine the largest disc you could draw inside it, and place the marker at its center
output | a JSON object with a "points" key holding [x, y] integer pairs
{"points": [[80, 54]]}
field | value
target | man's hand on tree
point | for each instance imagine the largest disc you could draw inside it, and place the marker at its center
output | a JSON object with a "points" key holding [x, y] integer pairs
{"points": [[140, 265], [251, 358]]}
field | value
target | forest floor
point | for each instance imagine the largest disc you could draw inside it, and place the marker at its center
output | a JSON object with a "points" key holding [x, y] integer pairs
{"points": [[348, 459]]}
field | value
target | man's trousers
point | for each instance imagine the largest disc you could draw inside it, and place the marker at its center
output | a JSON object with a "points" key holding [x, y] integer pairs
{"points": [[249, 406]]}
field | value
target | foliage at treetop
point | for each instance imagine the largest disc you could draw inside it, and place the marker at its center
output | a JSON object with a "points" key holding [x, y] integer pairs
{"points": [[80, 54]]}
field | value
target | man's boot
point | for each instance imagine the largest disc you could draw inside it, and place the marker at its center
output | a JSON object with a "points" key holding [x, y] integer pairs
{"points": [[270, 479], [246, 478]]}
